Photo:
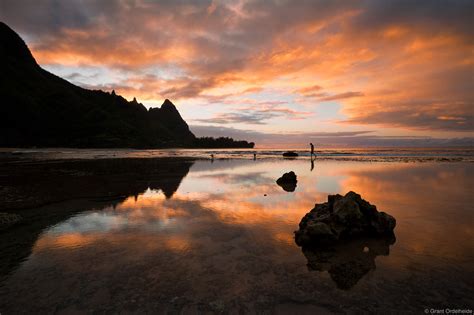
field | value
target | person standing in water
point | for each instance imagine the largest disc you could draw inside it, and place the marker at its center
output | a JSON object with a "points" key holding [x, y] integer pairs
{"points": [[312, 149]]}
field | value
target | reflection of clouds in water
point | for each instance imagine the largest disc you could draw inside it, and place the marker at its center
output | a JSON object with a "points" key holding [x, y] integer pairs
{"points": [[434, 198], [399, 182], [110, 219], [226, 215], [254, 178], [236, 244], [329, 184], [390, 186], [404, 190], [227, 165], [181, 222], [89, 222]]}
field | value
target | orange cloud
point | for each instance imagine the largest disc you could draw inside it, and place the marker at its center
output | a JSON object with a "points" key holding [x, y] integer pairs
{"points": [[400, 66]]}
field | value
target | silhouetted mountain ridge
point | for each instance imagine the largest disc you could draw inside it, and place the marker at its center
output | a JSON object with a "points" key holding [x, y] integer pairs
{"points": [[41, 109]]}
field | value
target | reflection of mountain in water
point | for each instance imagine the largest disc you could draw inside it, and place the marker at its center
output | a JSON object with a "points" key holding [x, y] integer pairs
{"points": [[348, 262], [92, 183]]}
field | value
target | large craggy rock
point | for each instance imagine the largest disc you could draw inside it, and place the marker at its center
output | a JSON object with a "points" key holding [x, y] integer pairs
{"points": [[342, 218]]}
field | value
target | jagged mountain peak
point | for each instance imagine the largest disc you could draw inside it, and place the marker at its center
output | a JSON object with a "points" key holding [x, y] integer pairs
{"points": [[168, 105]]}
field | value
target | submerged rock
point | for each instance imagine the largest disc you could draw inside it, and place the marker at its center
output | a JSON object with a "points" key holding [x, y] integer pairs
{"points": [[8, 219], [288, 181], [342, 218], [290, 154]]}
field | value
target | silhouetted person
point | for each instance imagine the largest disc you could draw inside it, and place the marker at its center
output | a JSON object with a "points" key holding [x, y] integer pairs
{"points": [[254, 156], [312, 149]]}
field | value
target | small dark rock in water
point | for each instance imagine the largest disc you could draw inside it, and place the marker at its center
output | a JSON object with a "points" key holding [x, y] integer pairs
{"points": [[8, 219], [288, 181], [342, 218], [290, 154]]}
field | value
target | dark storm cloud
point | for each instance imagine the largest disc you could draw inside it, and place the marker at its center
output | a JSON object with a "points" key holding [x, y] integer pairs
{"points": [[249, 115], [432, 16], [254, 118]]}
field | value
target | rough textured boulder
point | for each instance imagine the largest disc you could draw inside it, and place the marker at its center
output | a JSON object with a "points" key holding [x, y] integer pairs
{"points": [[8, 219], [288, 181], [342, 218], [290, 154]]}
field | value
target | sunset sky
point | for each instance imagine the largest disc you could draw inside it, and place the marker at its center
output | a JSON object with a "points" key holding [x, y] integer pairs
{"points": [[331, 72]]}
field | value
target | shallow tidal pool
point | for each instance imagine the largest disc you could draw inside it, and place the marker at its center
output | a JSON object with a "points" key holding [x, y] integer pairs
{"points": [[219, 238]]}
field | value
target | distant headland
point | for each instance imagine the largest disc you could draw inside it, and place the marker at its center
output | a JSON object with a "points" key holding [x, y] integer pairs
{"points": [[43, 110]]}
